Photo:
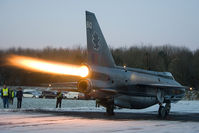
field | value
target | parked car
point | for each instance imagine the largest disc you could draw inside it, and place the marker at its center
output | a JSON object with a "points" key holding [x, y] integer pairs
{"points": [[32, 93], [71, 95], [81, 96], [28, 94], [49, 94], [37, 94]]}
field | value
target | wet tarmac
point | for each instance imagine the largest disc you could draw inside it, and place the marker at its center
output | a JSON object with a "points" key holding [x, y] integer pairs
{"points": [[86, 118], [120, 116], [87, 122]]}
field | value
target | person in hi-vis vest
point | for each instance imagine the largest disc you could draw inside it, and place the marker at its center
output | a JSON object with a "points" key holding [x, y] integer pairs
{"points": [[11, 96], [59, 99], [5, 96]]}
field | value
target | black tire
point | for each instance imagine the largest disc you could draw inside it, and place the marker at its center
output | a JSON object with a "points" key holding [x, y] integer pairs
{"points": [[168, 107], [159, 110], [162, 112], [110, 110]]}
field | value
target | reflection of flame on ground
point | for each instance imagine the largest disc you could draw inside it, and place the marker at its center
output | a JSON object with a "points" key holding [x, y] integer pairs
{"points": [[34, 64]]}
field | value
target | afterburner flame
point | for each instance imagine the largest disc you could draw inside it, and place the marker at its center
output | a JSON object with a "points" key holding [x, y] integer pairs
{"points": [[34, 64]]}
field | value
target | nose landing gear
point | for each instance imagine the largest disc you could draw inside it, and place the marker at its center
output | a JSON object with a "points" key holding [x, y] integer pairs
{"points": [[164, 111]]}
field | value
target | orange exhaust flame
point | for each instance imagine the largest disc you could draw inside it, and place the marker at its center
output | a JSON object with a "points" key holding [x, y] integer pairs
{"points": [[34, 64]]}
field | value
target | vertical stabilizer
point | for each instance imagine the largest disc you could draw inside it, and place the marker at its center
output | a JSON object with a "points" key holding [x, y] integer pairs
{"points": [[98, 51]]}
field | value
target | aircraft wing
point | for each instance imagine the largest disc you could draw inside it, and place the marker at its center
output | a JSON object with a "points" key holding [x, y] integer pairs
{"points": [[64, 89], [164, 86], [64, 86], [109, 91]]}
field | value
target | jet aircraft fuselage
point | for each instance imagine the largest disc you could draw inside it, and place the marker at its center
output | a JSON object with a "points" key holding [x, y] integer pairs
{"points": [[125, 87], [133, 88]]}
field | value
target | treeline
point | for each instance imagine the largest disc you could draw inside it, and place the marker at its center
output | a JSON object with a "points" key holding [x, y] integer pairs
{"points": [[180, 61]]}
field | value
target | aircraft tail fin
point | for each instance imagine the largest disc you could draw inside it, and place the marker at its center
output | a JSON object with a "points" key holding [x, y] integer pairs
{"points": [[98, 51]]}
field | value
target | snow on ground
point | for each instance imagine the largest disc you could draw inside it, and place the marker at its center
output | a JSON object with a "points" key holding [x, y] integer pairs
{"points": [[78, 116], [89, 105]]}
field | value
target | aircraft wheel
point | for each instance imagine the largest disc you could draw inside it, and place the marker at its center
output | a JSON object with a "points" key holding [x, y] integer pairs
{"points": [[159, 110], [162, 112], [168, 107], [110, 110]]}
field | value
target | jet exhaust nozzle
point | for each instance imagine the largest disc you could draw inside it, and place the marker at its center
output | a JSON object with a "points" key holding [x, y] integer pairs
{"points": [[84, 86]]}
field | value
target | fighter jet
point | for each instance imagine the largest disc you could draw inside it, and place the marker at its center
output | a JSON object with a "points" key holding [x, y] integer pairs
{"points": [[124, 87]]}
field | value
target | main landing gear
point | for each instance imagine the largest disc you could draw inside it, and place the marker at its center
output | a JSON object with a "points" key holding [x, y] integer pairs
{"points": [[108, 104], [110, 110], [164, 110]]}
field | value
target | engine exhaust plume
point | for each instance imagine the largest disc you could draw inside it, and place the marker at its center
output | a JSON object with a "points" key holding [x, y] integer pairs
{"points": [[34, 64]]}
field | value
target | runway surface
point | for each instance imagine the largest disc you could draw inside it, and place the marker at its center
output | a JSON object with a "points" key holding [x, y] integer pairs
{"points": [[87, 119]]}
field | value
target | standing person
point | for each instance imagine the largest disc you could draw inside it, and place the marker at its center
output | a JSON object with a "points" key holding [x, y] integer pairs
{"points": [[11, 96], [59, 99], [19, 96], [97, 105], [5, 96]]}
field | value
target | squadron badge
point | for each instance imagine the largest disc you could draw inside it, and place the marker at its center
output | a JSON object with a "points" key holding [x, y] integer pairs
{"points": [[95, 40]]}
